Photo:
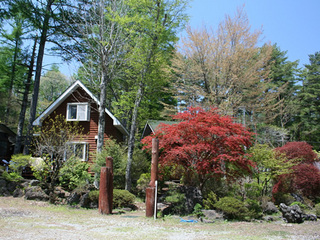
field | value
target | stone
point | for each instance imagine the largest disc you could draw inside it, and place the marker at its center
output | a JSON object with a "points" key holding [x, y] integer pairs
{"points": [[292, 214], [85, 201], [34, 183], [3, 183], [18, 192], [212, 215], [74, 198], [270, 208], [36, 193], [309, 217], [192, 196], [11, 186]]}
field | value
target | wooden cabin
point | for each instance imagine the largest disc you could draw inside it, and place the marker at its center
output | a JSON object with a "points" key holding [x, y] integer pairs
{"points": [[77, 103]]}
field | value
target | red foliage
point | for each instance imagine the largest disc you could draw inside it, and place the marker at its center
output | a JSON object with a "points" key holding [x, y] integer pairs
{"points": [[204, 142], [307, 179], [301, 150]]}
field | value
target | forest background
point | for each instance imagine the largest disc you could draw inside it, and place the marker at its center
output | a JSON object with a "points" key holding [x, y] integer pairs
{"points": [[129, 55]]}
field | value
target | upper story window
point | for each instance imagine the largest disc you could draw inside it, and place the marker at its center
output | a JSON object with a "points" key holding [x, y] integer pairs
{"points": [[78, 112]]}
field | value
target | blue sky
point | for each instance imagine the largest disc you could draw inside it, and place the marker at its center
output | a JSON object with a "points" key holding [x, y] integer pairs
{"points": [[293, 24]]}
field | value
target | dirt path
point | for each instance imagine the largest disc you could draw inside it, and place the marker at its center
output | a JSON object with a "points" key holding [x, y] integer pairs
{"points": [[22, 219]]}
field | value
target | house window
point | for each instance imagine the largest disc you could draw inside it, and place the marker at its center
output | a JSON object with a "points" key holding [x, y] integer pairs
{"points": [[78, 112], [77, 149]]}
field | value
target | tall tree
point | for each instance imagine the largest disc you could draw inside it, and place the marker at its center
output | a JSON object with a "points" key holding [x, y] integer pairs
{"points": [[310, 101], [225, 68], [100, 41], [158, 21]]}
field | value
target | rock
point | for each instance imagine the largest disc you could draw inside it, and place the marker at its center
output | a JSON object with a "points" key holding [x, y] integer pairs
{"points": [[36, 193], [268, 218], [292, 214], [270, 208], [85, 201], [74, 198], [34, 183], [18, 192], [211, 215], [192, 196], [11, 186], [309, 217], [3, 183]]}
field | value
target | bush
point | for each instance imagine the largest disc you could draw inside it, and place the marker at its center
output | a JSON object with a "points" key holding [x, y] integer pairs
{"points": [[117, 152], [122, 198], [255, 209], [197, 210], [302, 206], [12, 177], [209, 202], [232, 208], [143, 183], [74, 173], [317, 207], [177, 201], [18, 162]]}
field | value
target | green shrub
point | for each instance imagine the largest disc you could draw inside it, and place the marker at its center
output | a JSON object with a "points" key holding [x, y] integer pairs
{"points": [[177, 201], [12, 177], [122, 198], [94, 196], [301, 205], [232, 208], [255, 209], [317, 207], [285, 198], [118, 153], [210, 200], [253, 190], [143, 183], [74, 173], [197, 210], [18, 162]]}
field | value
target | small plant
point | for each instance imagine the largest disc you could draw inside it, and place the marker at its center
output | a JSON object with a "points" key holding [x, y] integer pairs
{"points": [[197, 210], [232, 208], [255, 209]]}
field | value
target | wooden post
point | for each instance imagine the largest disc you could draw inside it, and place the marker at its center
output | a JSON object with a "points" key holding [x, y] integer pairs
{"points": [[150, 191], [106, 187]]}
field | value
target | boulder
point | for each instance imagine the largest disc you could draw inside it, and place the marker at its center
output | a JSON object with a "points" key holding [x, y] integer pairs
{"points": [[270, 208], [309, 217], [18, 192], [35, 193], [192, 196], [74, 198], [211, 215], [292, 214]]}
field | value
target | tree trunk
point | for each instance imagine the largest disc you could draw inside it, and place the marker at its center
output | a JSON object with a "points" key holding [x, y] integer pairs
{"points": [[13, 72], [132, 136], [33, 108], [24, 105]]}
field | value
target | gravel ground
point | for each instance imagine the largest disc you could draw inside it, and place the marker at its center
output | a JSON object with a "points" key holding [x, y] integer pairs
{"points": [[23, 219]]}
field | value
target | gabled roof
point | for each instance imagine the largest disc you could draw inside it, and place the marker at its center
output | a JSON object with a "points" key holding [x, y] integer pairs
{"points": [[65, 95], [152, 125]]}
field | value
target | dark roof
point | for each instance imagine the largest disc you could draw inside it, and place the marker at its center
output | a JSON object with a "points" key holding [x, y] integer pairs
{"points": [[153, 125], [5, 129]]}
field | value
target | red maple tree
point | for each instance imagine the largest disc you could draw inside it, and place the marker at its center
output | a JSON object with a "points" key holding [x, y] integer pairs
{"points": [[298, 150], [204, 144], [305, 177]]}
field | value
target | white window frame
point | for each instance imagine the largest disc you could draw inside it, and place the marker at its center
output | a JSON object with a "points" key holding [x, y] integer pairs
{"points": [[85, 150], [78, 117]]}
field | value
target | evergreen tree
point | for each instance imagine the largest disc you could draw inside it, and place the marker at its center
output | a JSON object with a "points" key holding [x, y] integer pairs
{"points": [[309, 127]]}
